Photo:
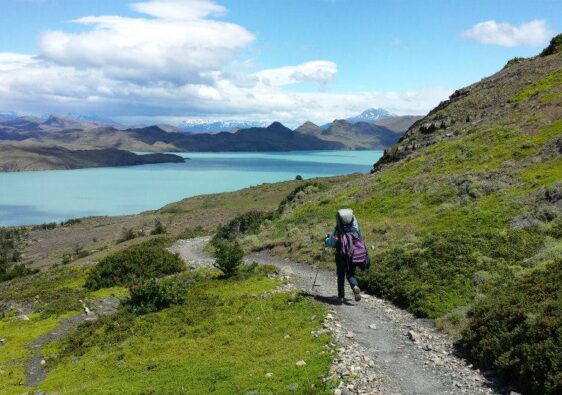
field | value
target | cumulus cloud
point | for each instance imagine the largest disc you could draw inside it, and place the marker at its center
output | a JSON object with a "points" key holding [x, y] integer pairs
{"points": [[533, 33], [320, 72], [177, 50], [175, 61]]}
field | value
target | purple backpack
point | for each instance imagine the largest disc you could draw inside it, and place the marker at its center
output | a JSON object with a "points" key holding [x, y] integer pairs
{"points": [[354, 249]]}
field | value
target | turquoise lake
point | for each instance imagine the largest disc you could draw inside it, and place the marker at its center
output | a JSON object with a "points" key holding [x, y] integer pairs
{"points": [[47, 196]]}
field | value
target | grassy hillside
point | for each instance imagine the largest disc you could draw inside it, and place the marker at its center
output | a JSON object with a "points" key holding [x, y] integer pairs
{"points": [[26, 157], [466, 205], [229, 332]]}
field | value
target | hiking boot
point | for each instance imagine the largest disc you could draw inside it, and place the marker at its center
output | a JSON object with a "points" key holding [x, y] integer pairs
{"points": [[340, 300], [357, 293]]}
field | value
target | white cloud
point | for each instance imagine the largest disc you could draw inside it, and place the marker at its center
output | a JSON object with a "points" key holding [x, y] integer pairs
{"points": [[320, 71], [533, 33], [179, 9], [175, 62], [173, 50]]}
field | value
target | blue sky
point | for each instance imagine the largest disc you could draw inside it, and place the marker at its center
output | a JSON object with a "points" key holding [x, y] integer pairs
{"points": [[262, 59]]}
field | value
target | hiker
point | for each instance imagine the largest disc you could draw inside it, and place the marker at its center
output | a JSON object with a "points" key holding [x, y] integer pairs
{"points": [[350, 251]]}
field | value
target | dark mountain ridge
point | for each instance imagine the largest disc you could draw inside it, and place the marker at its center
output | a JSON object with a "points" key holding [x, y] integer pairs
{"points": [[358, 135]]}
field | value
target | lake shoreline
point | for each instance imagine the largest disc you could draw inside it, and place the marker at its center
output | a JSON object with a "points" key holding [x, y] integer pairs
{"points": [[34, 198]]}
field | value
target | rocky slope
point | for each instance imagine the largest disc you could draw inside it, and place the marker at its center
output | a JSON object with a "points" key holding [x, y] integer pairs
{"points": [[525, 94]]}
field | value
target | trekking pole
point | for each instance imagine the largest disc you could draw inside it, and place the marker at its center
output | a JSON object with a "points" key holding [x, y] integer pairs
{"points": [[318, 270]]}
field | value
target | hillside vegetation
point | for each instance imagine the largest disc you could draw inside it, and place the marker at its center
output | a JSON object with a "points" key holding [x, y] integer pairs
{"points": [[229, 331], [466, 207]]}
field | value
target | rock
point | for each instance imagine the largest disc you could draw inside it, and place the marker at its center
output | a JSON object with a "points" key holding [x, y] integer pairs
{"points": [[428, 128], [514, 393], [2, 342], [301, 363], [349, 335], [345, 391], [372, 326], [337, 391], [287, 337], [43, 362], [23, 317], [269, 375], [313, 318], [414, 336]]}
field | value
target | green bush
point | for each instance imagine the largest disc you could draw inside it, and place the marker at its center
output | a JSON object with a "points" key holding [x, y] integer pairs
{"points": [[248, 222], [10, 255], [228, 257], [439, 273], [517, 330], [144, 261], [286, 202], [150, 295], [158, 228], [126, 235]]}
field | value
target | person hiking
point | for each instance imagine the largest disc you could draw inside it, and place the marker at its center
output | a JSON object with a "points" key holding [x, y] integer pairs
{"points": [[350, 251]]}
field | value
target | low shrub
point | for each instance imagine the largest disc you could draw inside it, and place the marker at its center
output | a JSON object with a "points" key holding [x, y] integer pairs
{"points": [[10, 255], [143, 261], [126, 235], [249, 222], [228, 257], [190, 233], [307, 186], [150, 295], [45, 226], [444, 270], [158, 228], [517, 330]]}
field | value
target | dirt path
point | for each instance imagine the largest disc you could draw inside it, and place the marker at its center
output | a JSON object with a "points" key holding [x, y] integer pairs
{"points": [[410, 355], [35, 368]]}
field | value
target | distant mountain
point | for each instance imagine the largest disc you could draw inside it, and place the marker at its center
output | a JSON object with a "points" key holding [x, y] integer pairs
{"points": [[206, 126], [399, 123], [371, 115], [99, 120], [63, 132], [7, 115], [275, 137], [358, 135], [382, 117], [30, 157]]}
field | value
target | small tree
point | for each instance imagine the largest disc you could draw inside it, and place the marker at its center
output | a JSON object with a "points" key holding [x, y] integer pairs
{"points": [[298, 177], [228, 257]]}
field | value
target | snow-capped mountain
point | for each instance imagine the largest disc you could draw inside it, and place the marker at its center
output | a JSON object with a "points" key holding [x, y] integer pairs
{"points": [[371, 115], [202, 125]]}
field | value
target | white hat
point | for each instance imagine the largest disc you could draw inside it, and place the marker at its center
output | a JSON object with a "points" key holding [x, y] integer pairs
{"points": [[345, 215]]}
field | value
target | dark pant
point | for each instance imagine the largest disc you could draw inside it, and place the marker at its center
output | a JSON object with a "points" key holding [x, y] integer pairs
{"points": [[344, 271]]}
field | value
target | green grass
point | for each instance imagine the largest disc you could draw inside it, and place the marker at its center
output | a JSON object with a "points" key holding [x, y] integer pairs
{"points": [[544, 87], [224, 339], [16, 351]]}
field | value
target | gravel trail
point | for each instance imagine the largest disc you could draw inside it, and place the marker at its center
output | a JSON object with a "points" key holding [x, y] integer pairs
{"points": [[411, 357]]}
